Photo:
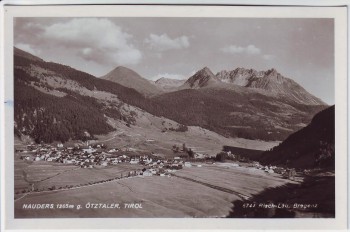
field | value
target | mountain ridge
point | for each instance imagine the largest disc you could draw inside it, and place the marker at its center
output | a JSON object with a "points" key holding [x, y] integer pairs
{"points": [[202, 78], [270, 81]]}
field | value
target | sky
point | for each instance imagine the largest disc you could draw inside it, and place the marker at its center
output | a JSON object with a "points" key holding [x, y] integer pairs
{"points": [[300, 49]]}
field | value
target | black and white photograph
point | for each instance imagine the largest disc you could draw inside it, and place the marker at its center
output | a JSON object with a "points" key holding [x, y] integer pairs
{"points": [[174, 117]]}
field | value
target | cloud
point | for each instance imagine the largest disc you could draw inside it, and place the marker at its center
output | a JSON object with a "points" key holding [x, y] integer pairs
{"points": [[27, 32], [164, 42], [233, 49], [94, 39]]}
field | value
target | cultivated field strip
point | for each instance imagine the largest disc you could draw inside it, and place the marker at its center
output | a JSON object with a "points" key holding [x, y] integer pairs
{"points": [[242, 196]]}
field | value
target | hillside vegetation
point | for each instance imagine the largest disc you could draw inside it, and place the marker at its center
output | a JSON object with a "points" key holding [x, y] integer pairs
{"points": [[237, 114], [310, 147]]}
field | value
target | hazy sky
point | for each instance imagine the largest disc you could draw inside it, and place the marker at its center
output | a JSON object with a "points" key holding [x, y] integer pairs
{"points": [[301, 49]]}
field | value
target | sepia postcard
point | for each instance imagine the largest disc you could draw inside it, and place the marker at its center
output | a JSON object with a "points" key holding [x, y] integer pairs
{"points": [[198, 117]]}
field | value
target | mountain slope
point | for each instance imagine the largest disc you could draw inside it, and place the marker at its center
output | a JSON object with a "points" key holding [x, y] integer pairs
{"points": [[169, 85], [131, 79], [312, 146], [202, 78], [244, 112], [239, 113], [20, 53], [271, 82], [54, 102], [47, 118]]}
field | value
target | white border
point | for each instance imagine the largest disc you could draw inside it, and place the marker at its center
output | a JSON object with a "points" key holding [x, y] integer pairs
{"points": [[338, 13], [185, 2]]}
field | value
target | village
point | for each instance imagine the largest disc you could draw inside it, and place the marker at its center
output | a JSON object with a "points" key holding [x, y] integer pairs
{"points": [[99, 156]]}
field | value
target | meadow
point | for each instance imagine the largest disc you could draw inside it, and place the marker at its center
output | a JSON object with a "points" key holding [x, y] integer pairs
{"points": [[208, 192]]}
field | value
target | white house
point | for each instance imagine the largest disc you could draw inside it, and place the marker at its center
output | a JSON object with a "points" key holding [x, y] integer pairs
{"points": [[89, 150], [147, 173], [104, 163], [188, 164]]}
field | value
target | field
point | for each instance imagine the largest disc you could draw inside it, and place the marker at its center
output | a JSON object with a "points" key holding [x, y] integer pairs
{"points": [[41, 175], [245, 181], [206, 191], [28, 174], [83, 176]]}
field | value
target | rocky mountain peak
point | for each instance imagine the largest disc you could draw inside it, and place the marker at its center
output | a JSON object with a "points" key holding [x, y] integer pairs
{"points": [[270, 81], [202, 78], [272, 72], [205, 71], [244, 70]]}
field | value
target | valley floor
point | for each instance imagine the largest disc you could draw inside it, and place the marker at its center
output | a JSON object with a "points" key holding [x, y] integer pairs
{"points": [[204, 191]]}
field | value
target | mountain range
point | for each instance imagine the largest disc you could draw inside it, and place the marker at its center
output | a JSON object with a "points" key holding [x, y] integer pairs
{"points": [[57, 102], [268, 82]]}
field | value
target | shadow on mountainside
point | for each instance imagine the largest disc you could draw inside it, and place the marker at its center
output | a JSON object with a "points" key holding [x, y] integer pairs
{"points": [[316, 194]]}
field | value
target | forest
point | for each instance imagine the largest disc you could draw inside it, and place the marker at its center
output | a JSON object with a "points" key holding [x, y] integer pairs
{"points": [[47, 118], [310, 147]]}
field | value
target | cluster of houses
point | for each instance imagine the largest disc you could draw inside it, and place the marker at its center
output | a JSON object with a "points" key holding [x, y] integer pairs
{"points": [[285, 172], [83, 156], [98, 155]]}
